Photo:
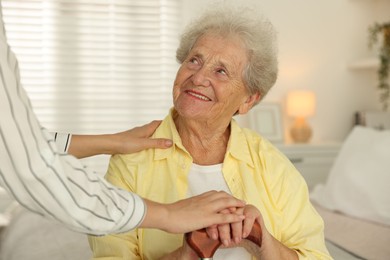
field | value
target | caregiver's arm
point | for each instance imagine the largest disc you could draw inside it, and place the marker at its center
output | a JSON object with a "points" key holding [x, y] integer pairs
{"points": [[54, 184], [130, 141], [194, 213], [57, 185]]}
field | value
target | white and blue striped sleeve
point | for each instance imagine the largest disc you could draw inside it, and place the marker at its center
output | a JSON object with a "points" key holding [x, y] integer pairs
{"points": [[47, 181]]}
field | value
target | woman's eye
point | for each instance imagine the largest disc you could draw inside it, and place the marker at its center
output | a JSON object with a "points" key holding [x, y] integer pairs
{"points": [[193, 61], [222, 71]]}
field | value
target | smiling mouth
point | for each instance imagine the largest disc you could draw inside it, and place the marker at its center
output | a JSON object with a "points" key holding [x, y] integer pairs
{"points": [[197, 95]]}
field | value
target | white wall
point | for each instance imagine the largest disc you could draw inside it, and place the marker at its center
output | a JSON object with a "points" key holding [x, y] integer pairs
{"points": [[317, 42]]}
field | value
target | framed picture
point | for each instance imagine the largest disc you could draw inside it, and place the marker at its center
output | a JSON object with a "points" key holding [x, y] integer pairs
{"points": [[266, 118], [377, 120]]}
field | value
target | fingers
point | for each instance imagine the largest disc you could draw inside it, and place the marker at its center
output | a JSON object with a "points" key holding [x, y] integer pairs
{"points": [[228, 218], [251, 214], [221, 200], [202, 211], [236, 230], [156, 143], [247, 227], [224, 234], [224, 230], [148, 129], [212, 232], [223, 207], [231, 233], [144, 132]]}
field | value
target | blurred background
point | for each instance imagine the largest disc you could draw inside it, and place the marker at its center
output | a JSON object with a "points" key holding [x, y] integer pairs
{"points": [[94, 66], [104, 66]]}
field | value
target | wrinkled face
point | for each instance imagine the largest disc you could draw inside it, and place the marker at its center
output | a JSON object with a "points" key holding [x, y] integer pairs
{"points": [[209, 84]]}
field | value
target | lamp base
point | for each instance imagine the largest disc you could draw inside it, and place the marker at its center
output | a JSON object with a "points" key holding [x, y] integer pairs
{"points": [[300, 131]]}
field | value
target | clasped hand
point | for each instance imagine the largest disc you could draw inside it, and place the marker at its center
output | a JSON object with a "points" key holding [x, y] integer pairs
{"points": [[233, 234]]}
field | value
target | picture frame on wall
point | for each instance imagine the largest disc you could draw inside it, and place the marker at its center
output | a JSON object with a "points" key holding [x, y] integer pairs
{"points": [[266, 119], [376, 120]]}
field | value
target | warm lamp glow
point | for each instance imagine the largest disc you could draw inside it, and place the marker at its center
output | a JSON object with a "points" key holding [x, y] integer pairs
{"points": [[301, 104]]}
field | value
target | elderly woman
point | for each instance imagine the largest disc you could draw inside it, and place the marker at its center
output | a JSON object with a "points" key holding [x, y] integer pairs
{"points": [[228, 63]]}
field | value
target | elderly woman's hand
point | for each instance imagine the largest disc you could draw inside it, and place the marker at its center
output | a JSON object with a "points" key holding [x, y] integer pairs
{"points": [[231, 235]]}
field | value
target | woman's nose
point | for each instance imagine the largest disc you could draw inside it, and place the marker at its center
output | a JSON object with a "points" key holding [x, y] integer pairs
{"points": [[201, 78]]}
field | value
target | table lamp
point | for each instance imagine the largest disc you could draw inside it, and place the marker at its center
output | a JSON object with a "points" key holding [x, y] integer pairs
{"points": [[300, 105]]}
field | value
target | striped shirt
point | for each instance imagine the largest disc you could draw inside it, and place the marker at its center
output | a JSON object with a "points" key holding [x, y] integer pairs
{"points": [[47, 181], [62, 141]]}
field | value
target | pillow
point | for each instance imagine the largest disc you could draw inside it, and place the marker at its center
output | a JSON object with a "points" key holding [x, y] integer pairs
{"points": [[359, 181]]}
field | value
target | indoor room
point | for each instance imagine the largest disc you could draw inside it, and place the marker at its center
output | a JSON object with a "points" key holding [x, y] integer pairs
{"points": [[93, 67]]}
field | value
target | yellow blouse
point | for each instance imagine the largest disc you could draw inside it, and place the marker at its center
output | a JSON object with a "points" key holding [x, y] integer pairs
{"points": [[254, 170]]}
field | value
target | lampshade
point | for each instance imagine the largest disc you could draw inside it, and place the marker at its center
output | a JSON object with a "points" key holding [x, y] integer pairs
{"points": [[301, 103]]}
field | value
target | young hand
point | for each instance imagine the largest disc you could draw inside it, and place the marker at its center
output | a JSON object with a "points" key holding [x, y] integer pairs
{"points": [[193, 213], [130, 141], [138, 139]]}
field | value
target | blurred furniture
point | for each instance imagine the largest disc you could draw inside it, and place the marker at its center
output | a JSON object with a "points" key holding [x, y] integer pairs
{"points": [[312, 160], [355, 199]]}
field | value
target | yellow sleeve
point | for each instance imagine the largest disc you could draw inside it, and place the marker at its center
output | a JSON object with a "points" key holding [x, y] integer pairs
{"points": [[302, 227], [116, 246]]}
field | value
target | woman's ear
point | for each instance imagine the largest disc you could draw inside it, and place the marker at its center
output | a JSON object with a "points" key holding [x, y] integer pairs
{"points": [[249, 103]]}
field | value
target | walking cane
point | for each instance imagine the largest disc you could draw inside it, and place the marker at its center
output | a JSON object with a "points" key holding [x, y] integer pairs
{"points": [[205, 247]]}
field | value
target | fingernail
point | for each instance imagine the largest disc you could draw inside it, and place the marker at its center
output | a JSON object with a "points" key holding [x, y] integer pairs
{"points": [[168, 142], [214, 236], [225, 242], [237, 240]]}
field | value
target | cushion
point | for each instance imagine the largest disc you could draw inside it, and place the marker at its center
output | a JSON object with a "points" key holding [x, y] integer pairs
{"points": [[359, 181], [30, 236]]}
